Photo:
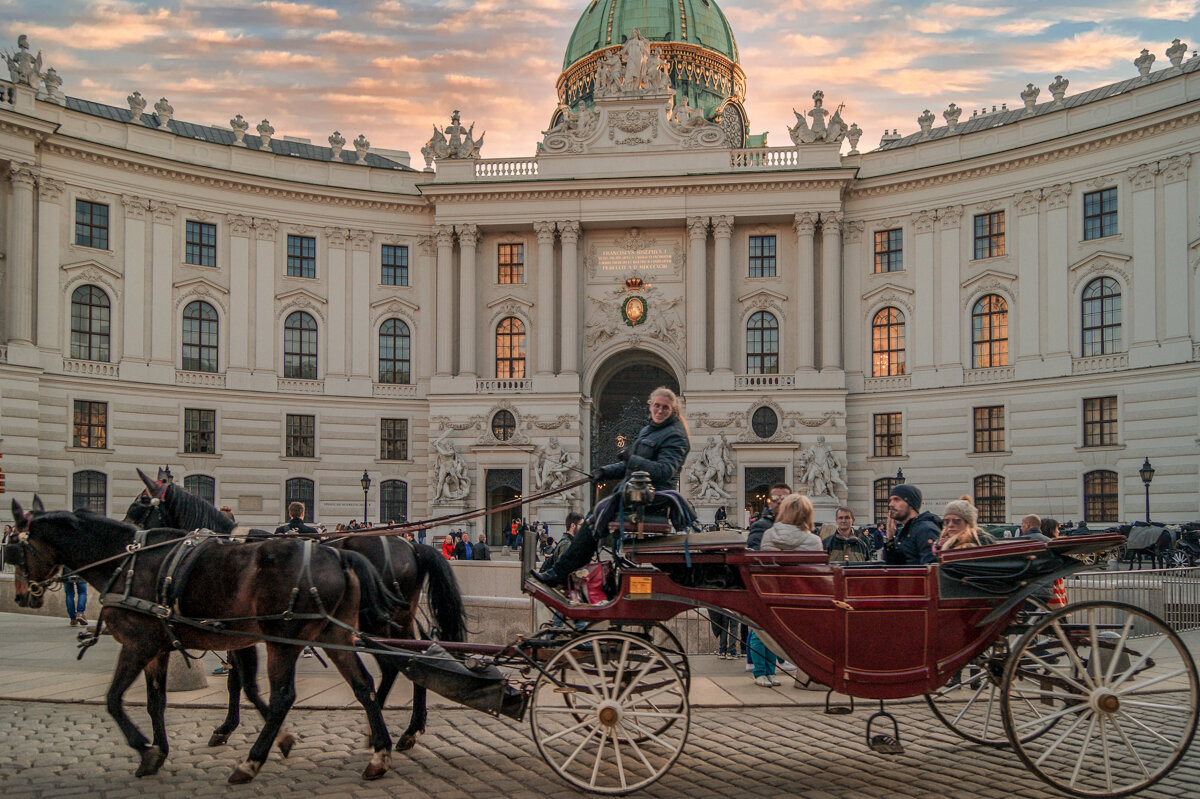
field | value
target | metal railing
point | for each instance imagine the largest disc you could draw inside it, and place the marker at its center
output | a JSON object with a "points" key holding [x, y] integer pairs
{"points": [[1171, 594]]}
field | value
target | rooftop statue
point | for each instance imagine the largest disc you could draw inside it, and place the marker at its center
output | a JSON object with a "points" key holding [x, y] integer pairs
{"points": [[820, 131], [633, 69], [453, 141], [23, 67], [571, 130]]}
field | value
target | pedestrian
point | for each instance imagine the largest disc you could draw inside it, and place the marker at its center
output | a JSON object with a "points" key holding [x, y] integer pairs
{"points": [[75, 593], [295, 523], [480, 551], [448, 546]]}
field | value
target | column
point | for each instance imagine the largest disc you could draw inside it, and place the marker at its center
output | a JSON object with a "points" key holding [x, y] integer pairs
{"points": [[919, 331], [831, 291], [852, 272], [133, 323], [267, 330], [571, 314], [545, 297], [340, 311], [49, 296], [239, 292], [162, 279], [360, 302], [1057, 303], [1025, 321], [697, 321], [445, 299], [723, 298], [19, 282], [1144, 261], [806, 285], [468, 271], [1173, 311], [425, 284], [950, 229]]}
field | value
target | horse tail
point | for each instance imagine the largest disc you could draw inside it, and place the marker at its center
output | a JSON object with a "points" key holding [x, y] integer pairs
{"points": [[376, 601], [445, 598]]}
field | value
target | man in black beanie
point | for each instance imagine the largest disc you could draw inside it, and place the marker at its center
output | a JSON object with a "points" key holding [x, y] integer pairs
{"points": [[915, 532]]}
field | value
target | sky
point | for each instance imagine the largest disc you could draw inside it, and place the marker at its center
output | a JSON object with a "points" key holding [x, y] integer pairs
{"points": [[390, 69]]}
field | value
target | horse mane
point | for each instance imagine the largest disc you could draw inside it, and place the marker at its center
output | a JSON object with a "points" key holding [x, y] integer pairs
{"points": [[193, 513]]}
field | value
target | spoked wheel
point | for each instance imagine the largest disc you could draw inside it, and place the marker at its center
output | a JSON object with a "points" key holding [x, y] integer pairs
{"points": [[1122, 689], [1179, 559], [611, 713]]}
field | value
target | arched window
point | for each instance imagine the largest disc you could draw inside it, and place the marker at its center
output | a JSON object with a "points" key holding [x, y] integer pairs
{"points": [[883, 491], [202, 486], [300, 346], [510, 348], [199, 337], [89, 490], [989, 332], [393, 501], [504, 424], [1101, 317], [887, 343], [764, 422], [395, 352], [90, 314], [762, 344], [1100, 496], [989, 498], [300, 489]]}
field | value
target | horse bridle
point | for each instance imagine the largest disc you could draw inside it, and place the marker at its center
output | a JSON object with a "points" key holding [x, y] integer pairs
{"points": [[16, 552]]}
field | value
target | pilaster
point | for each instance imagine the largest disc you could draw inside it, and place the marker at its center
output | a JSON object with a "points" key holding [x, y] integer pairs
{"points": [[831, 291], [806, 284], [572, 314], [545, 297], [444, 322], [722, 327], [468, 296], [697, 305]]}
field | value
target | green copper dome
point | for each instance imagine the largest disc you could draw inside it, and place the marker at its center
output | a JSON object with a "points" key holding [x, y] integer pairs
{"points": [[605, 23]]}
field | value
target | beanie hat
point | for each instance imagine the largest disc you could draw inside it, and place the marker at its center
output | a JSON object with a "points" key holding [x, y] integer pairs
{"points": [[909, 493], [963, 509]]}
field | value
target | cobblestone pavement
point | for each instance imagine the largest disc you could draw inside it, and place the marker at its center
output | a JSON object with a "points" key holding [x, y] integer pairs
{"points": [[73, 750]]}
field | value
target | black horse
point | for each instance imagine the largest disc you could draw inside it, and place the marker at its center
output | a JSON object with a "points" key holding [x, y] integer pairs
{"points": [[283, 588], [404, 567], [1148, 541]]}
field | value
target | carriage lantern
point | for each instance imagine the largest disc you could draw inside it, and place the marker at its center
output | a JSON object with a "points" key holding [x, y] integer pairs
{"points": [[365, 482], [1147, 473]]}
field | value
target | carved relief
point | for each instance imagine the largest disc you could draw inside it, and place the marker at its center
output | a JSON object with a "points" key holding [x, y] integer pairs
{"points": [[1099, 267], [635, 241], [265, 229], [1004, 287], [852, 231], [1175, 168], [663, 323], [164, 212], [950, 217], [1057, 196], [50, 190], [336, 237], [633, 127], [238, 225], [135, 207], [488, 438], [1142, 176], [923, 221], [201, 290], [361, 240], [393, 308], [805, 223], [1027, 202], [299, 301]]}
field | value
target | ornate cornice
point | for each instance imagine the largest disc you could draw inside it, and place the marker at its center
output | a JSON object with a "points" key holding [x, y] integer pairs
{"points": [[474, 192]]}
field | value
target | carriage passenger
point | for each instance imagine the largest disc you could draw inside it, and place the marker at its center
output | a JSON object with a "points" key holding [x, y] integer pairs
{"points": [[911, 540], [295, 523], [659, 449], [763, 523], [845, 545], [793, 526], [959, 526]]}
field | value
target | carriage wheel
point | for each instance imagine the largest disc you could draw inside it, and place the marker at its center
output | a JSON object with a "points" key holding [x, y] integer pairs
{"points": [[595, 721], [1122, 688], [1179, 559]]}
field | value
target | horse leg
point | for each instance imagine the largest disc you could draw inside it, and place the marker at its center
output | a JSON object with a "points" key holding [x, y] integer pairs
{"points": [[416, 725], [130, 662], [281, 670], [352, 669], [156, 705], [220, 735]]}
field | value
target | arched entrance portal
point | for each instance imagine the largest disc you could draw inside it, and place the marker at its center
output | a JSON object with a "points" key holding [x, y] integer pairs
{"points": [[619, 392]]}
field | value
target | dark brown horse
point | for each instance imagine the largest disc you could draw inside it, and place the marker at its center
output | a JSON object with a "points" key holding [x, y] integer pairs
{"points": [[282, 591], [405, 566]]}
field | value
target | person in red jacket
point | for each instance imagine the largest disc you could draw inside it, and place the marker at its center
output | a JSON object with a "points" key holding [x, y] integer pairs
{"points": [[448, 547]]}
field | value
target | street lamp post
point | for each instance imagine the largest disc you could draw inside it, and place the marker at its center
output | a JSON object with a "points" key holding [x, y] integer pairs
{"points": [[366, 486], [1147, 474], [167, 476], [900, 475]]}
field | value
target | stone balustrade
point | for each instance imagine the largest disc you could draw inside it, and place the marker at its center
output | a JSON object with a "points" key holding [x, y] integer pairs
{"points": [[206, 379], [764, 381], [72, 366], [893, 383], [506, 168], [522, 385], [997, 374], [293, 386], [1100, 363], [394, 390], [765, 158]]}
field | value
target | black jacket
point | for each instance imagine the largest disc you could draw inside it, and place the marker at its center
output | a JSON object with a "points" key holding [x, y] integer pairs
{"points": [[658, 449], [480, 551], [914, 541], [295, 525], [761, 525], [843, 549]]}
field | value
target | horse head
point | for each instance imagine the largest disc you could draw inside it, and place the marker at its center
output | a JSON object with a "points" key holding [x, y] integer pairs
{"points": [[146, 510], [33, 563]]}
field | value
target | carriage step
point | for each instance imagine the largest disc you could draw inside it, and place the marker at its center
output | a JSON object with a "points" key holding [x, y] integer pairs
{"points": [[886, 745]]}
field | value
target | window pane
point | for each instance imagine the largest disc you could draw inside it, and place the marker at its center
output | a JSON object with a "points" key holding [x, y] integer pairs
{"points": [[762, 256], [393, 439], [511, 259], [395, 352], [202, 486], [200, 244], [889, 250], [302, 256], [395, 265], [300, 489], [89, 491]]}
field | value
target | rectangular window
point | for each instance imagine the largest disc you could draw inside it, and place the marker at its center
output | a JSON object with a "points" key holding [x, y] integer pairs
{"points": [[302, 256], [395, 265], [199, 431], [762, 256], [989, 429], [90, 428], [989, 235], [91, 224], [200, 244], [889, 440], [393, 440], [301, 440], [1100, 422], [889, 251], [1100, 214], [989, 498], [883, 491], [511, 258]]}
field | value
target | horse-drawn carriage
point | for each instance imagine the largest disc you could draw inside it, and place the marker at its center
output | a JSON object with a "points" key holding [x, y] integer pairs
{"points": [[1097, 698]]}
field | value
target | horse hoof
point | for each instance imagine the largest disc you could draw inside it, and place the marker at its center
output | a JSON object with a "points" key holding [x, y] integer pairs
{"points": [[285, 741], [244, 773], [218, 739], [407, 741], [380, 762], [152, 760]]}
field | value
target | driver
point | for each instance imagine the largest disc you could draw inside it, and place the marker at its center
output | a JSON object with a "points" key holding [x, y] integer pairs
{"points": [[660, 449]]}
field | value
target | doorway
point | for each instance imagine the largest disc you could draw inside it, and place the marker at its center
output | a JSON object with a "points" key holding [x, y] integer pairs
{"points": [[502, 485]]}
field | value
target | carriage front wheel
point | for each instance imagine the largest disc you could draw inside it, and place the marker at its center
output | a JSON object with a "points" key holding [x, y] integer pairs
{"points": [[597, 706], [1121, 686]]}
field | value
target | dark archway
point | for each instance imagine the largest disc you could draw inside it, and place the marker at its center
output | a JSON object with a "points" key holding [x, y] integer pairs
{"points": [[619, 394], [501, 486]]}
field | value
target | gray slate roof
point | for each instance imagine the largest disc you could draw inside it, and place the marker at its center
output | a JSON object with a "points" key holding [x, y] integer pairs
{"points": [[213, 135]]}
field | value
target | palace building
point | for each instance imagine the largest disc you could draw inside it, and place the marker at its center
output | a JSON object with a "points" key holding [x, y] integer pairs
{"points": [[1003, 304]]}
